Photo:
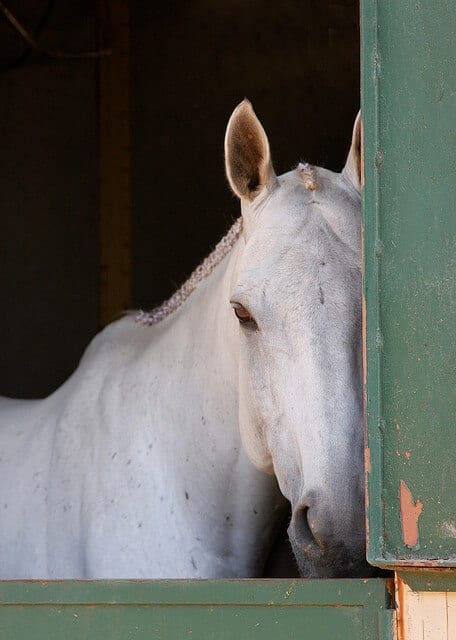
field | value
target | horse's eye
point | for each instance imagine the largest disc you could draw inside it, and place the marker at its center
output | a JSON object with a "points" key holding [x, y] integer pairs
{"points": [[243, 315]]}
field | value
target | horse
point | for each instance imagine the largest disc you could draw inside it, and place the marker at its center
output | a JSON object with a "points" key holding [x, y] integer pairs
{"points": [[175, 447]]}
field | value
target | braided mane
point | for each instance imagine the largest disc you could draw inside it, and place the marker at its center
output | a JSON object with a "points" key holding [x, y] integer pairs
{"points": [[201, 272]]}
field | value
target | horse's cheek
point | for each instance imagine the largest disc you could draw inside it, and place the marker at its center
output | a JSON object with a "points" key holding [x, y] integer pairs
{"points": [[252, 431]]}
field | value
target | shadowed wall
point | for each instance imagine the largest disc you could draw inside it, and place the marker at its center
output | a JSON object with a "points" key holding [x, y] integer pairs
{"points": [[191, 63]]}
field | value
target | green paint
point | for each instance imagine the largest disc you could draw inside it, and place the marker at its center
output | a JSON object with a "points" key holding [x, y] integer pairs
{"points": [[238, 609], [409, 107], [443, 579]]}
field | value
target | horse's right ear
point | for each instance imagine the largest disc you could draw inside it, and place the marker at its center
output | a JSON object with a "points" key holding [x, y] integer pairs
{"points": [[353, 167], [247, 158]]}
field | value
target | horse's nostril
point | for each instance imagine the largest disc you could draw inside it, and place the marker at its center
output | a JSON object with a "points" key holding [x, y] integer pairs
{"points": [[300, 530]]}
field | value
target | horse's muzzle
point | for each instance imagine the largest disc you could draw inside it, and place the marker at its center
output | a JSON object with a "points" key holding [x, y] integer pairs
{"points": [[319, 555]]}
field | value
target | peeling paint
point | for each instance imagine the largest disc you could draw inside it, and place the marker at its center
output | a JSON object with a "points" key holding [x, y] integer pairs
{"points": [[410, 512], [364, 338], [289, 592], [449, 528]]}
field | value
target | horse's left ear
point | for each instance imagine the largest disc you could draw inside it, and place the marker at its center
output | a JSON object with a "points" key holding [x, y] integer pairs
{"points": [[247, 157], [353, 166]]}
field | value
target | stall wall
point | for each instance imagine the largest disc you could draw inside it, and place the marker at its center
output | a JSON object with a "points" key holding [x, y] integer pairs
{"points": [[48, 198], [191, 63]]}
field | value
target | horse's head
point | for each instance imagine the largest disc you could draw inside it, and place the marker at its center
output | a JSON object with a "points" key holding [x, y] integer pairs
{"points": [[297, 296]]}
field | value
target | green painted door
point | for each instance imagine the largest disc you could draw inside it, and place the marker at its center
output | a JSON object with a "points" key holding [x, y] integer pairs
{"points": [[409, 114], [202, 610]]}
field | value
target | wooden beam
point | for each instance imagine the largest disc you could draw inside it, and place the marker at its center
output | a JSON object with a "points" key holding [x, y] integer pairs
{"points": [[114, 161], [425, 615]]}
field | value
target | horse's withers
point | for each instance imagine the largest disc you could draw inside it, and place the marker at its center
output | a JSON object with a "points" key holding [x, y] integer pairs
{"points": [[298, 284]]}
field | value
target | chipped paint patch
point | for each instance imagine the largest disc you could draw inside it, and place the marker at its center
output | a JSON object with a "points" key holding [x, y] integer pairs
{"points": [[289, 592], [449, 528], [364, 333], [410, 512], [367, 459]]}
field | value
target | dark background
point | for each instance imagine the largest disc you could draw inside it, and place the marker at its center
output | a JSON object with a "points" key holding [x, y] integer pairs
{"points": [[191, 63]]}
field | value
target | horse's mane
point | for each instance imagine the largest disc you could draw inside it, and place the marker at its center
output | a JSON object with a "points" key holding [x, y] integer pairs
{"points": [[200, 273]]}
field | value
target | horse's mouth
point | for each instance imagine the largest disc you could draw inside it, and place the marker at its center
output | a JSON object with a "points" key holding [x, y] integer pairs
{"points": [[325, 556], [333, 560], [317, 559]]}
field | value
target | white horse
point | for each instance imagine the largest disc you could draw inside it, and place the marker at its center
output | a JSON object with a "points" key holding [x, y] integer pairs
{"points": [[159, 456]]}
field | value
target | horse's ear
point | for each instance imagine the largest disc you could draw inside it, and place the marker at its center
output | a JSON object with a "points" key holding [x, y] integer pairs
{"points": [[353, 167], [247, 157]]}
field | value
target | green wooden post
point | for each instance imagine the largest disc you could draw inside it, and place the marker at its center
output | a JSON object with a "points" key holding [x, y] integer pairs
{"points": [[409, 114]]}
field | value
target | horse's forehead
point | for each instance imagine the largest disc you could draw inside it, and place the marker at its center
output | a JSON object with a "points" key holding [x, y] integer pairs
{"points": [[306, 181], [298, 231], [296, 221]]}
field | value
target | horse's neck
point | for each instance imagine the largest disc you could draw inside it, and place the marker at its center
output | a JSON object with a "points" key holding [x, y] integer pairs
{"points": [[191, 357], [174, 383], [203, 332], [157, 408], [205, 327]]}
